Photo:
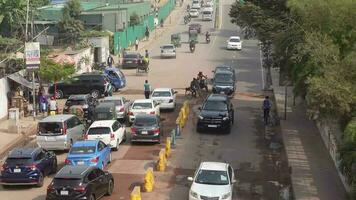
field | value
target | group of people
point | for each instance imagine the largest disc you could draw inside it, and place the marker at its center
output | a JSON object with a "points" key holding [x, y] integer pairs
{"points": [[47, 105], [200, 82]]}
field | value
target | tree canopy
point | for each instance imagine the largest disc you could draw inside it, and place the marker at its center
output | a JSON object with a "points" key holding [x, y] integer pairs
{"points": [[70, 26]]}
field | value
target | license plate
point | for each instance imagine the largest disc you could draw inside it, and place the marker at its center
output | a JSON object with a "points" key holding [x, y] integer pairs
{"points": [[50, 139], [144, 132], [80, 163], [64, 192], [128, 61], [17, 170], [212, 126]]}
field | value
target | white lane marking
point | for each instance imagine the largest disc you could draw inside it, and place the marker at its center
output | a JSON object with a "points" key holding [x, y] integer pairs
{"points": [[262, 70]]}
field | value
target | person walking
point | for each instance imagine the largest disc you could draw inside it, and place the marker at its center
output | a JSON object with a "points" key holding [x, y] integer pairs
{"points": [[147, 33], [136, 44], [147, 89], [43, 103], [52, 106], [110, 60], [266, 105]]}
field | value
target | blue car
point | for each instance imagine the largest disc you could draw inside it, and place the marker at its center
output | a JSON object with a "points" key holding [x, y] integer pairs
{"points": [[117, 78], [28, 166], [90, 153]]}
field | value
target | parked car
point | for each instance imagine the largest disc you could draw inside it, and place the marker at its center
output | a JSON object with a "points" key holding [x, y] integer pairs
{"points": [[96, 84], [207, 15], [193, 13], [234, 43], [111, 132], [147, 106], [81, 105], [90, 153], [146, 128], [80, 182], [212, 180], [59, 132], [224, 82], [166, 97], [122, 106], [208, 7], [196, 27], [105, 111], [168, 51], [28, 166], [116, 77], [131, 60], [196, 6], [217, 112]]}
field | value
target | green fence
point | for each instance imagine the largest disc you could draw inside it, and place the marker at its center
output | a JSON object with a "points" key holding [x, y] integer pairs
{"points": [[127, 37]]}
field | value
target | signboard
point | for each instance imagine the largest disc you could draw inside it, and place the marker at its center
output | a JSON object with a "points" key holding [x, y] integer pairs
{"points": [[32, 55]]}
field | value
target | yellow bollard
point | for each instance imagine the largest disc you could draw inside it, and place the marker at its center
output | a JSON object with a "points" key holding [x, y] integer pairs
{"points": [[168, 147], [161, 165], [52, 113], [136, 193], [149, 180]]}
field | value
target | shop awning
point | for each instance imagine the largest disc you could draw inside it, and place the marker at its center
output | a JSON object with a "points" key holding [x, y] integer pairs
{"points": [[20, 80]]}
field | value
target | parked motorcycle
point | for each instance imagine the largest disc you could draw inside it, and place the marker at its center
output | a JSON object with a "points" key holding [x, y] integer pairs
{"points": [[192, 48]]}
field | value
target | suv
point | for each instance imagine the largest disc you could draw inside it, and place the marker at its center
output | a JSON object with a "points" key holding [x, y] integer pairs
{"points": [[94, 83], [224, 82], [81, 105], [217, 112]]}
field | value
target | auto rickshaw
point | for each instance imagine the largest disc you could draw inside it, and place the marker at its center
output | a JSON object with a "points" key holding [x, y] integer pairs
{"points": [[175, 40], [193, 36]]}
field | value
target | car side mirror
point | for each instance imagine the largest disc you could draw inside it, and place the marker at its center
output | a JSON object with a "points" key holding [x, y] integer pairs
{"points": [[190, 178], [233, 181]]}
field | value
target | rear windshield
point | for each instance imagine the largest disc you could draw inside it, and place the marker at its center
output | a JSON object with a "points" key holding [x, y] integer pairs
{"points": [[145, 121], [103, 115], [66, 181], [116, 102], [75, 102], [130, 56], [49, 127], [19, 161], [142, 105], [223, 78], [98, 130], [206, 12], [161, 94], [234, 40], [168, 47], [82, 150], [215, 106]]}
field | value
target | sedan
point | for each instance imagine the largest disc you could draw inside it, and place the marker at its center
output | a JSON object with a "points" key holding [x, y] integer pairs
{"points": [[122, 106], [234, 43], [89, 153], [212, 180], [196, 27], [146, 128], [193, 13], [166, 97], [28, 166], [131, 60], [80, 182], [168, 51], [144, 106]]}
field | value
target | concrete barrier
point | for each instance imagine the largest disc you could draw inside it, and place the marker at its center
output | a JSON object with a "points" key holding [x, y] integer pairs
{"points": [[149, 180], [168, 147], [162, 161], [136, 193]]}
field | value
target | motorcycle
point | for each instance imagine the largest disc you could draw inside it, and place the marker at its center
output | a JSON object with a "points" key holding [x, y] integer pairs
{"points": [[187, 19], [192, 49], [207, 39]]}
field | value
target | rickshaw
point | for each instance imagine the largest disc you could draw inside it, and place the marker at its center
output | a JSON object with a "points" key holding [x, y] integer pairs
{"points": [[175, 40], [193, 35]]}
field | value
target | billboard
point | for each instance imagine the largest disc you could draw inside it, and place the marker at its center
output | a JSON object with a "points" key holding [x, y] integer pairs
{"points": [[32, 55]]}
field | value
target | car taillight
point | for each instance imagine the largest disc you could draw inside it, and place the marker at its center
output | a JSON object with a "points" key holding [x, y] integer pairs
{"points": [[171, 101], [112, 136], [152, 113], [32, 167], [80, 189], [94, 160], [64, 129], [3, 167], [130, 113], [122, 109], [50, 188], [156, 131], [67, 161], [133, 130]]}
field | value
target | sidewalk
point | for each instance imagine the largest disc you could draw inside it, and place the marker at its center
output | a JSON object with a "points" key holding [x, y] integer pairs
{"points": [[314, 175]]}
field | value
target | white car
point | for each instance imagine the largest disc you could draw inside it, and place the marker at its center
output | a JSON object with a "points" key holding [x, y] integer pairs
{"points": [[166, 97], [207, 7], [234, 42], [193, 13], [210, 3], [121, 106], [168, 51], [111, 132], [212, 180], [143, 106], [196, 6]]}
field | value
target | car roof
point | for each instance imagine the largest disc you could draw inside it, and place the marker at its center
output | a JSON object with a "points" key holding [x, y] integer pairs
{"points": [[217, 97], [131, 53], [57, 118], [143, 101], [144, 115], [78, 97], [223, 72], [85, 143], [162, 89], [194, 24], [102, 123], [234, 37], [113, 98], [218, 166], [105, 104], [23, 152], [70, 171]]}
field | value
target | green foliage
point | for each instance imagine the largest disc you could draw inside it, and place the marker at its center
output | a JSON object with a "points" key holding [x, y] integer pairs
{"points": [[9, 44], [350, 131], [53, 72], [13, 14], [70, 26], [94, 33], [134, 19]]}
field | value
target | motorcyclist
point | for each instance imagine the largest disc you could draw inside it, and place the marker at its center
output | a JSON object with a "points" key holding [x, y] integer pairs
{"points": [[202, 80], [194, 87], [207, 36], [191, 45], [147, 56]]}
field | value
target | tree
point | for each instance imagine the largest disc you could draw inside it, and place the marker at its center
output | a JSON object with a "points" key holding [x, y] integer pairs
{"points": [[70, 26], [13, 14], [134, 19]]}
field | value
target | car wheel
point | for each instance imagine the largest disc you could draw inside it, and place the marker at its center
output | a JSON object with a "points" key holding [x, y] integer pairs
{"points": [[95, 94], [40, 180], [125, 137], [228, 129], [54, 168], [110, 188], [117, 144], [70, 144], [92, 197], [59, 94]]}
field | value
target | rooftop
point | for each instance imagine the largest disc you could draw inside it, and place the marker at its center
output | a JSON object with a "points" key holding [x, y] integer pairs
{"points": [[218, 166]]}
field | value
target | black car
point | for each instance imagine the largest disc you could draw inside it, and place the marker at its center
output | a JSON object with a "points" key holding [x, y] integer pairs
{"points": [[224, 68], [146, 128], [82, 105], [96, 84], [196, 27], [224, 82], [217, 112], [28, 166], [131, 60], [80, 182]]}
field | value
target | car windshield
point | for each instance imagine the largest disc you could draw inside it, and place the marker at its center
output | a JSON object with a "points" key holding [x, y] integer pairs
{"points": [[161, 94], [212, 177], [49, 127], [19, 161], [168, 47], [75, 102], [98, 130], [215, 106], [234, 40], [142, 106], [116, 102], [223, 78], [82, 150], [145, 121], [130, 56], [206, 12]]}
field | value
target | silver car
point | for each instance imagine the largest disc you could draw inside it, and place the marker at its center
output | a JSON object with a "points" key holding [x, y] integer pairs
{"points": [[59, 132], [122, 106], [168, 51]]}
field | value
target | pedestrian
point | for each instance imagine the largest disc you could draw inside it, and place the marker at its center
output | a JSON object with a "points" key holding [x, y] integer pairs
{"points": [[53, 106], [147, 33], [136, 44], [43, 103], [147, 89], [266, 105], [110, 60]]}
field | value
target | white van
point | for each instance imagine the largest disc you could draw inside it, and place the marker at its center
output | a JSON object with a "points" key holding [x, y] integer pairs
{"points": [[59, 132], [207, 15]]}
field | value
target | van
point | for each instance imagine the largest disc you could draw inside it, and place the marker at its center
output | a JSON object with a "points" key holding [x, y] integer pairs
{"points": [[207, 15], [59, 132], [116, 77], [105, 111]]}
